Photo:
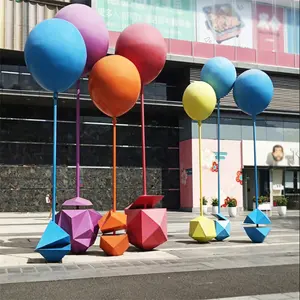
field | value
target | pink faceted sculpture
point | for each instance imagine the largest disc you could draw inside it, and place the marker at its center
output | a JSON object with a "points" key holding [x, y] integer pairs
{"points": [[80, 223], [146, 225]]}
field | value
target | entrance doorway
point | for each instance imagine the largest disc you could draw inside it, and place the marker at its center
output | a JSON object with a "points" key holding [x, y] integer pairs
{"points": [[249, 188]]}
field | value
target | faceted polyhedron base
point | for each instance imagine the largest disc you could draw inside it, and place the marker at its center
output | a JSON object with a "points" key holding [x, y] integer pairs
{"points": [[147, 228], [202, 229], [54, 243], [257, 234], [114, 245]]}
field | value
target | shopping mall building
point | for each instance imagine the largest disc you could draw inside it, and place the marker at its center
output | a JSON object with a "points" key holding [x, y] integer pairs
{"points": [[252, 34]]}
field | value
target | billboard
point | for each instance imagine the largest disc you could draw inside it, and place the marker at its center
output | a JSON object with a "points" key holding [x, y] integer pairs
{"points": [[272, 154], [175, 19], [225, 23]]}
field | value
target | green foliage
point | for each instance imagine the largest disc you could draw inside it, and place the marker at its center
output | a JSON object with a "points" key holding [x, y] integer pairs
{"points": [[262, 199], [281, 201], [214, 201], [232, 202], [204, 200]]}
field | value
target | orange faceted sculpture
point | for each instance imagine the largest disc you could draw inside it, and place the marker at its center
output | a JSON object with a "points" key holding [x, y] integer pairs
{"points": [[146, 225], [112, 221], [113, 244]]}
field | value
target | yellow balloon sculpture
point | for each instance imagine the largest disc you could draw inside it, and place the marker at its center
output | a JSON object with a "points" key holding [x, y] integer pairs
{"points": [[199, 100]]}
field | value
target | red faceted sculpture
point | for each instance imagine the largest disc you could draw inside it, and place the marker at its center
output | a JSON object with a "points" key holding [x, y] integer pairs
{"points": [[146, 225]]}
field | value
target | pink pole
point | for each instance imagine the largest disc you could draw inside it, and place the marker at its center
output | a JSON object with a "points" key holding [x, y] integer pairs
{"points": [[143, 143], [78, 139]]}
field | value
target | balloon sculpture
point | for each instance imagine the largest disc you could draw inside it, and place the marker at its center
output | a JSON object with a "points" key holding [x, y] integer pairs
{"points": [[220, 73], [144, 45], [253, 92], [95, 34], [199, 101], [114, 86], [55, 55]]}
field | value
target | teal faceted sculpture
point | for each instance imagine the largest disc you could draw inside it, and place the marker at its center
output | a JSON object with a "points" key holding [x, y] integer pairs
{"points": [[54, 244]]}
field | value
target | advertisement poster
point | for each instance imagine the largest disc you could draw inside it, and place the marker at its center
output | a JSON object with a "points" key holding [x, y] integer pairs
{"points": [[174, 18], [292, 31], [281, 154], [225, 22], [269, 28]]}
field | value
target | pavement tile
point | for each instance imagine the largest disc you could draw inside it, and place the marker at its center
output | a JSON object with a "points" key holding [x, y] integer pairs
{"points": [[272, 297], [293, 295], [85, 267], [3, 271], [13, 270], [71, 267], [57, 268], [42, 269], [28, 270]]}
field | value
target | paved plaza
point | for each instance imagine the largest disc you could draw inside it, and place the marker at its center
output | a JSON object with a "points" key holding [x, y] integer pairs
{"points": [[20, 233]]}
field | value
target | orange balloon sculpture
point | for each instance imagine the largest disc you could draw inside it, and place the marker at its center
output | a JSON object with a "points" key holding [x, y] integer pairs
{"points": [[114, 86]]}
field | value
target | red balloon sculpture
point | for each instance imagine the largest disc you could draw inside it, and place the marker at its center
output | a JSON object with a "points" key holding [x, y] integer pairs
{"points": [[114, 86], [144, 45]]}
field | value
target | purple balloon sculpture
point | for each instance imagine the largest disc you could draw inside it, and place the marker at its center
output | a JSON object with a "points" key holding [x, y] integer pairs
{"points": [[75, 219], [96, 37], [80, 223], [92, 28]]}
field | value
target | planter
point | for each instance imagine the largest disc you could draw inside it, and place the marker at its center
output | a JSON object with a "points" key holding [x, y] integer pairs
{"points": [[214, 210], [263, 206], [281, 211], [232, 211], [205, 209]]}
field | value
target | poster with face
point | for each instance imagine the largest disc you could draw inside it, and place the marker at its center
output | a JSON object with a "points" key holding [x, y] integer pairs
{"points": [[269, 28], [225, 22]]}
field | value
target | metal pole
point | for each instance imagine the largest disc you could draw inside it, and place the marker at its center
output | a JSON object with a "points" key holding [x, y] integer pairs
{"points": [[114, 164], [200, 167], [255, 163], [143, 143], [54, 155], [219, 146], [78, 139]]}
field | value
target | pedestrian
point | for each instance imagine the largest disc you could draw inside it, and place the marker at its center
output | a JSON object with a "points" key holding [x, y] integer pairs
{"points": [[49, 202]]}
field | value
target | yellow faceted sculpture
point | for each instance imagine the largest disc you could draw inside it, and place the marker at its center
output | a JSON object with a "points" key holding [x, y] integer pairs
{"points": [[202, 229]]}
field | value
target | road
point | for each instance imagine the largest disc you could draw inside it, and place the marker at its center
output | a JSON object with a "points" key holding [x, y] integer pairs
{"points": [[170, 286]]}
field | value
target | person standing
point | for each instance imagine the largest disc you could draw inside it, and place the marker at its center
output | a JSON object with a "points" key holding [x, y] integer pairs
{"points": [[49, 201]]}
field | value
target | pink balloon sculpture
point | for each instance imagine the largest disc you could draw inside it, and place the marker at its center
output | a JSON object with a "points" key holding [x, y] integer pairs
{"points": [[92, 28]]}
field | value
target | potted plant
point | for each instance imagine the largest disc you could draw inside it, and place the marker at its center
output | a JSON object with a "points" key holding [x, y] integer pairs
{"points": [[214, 203], [204, 205], [263, 203], [281, 203], [232, 210]]}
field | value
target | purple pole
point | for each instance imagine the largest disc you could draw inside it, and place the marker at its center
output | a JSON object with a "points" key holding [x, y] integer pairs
{"points": [[78, 139]]}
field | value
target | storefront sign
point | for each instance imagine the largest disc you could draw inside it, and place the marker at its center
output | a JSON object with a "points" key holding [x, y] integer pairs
{"points": [[281, 154], [174, 18]]}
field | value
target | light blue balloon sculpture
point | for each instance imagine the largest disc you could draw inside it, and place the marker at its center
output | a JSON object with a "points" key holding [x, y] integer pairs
{"points": [[220, 73], [55, 55], [253, 92]]}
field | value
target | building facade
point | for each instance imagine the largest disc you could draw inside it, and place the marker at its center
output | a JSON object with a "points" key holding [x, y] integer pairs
{"points": [[253, 34]]}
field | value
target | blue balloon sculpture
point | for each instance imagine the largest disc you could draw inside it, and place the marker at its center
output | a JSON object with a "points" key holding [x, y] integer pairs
{"points": [[55, 55], [253, 92], [220, 73]]}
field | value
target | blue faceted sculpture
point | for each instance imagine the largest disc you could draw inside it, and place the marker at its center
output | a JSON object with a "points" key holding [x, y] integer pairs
{"points": [[223, 227], [257, 234], [257, 217], [54, 244]]}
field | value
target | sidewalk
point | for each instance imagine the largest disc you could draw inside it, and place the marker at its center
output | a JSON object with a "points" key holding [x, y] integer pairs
{"points": [[286, 296], [20, 233]]}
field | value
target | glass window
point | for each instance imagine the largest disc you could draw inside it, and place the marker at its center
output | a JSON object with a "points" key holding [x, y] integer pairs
{"points": [[209, 128], [289, 179], [291, 131], [231, 129], [274, 130]]}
